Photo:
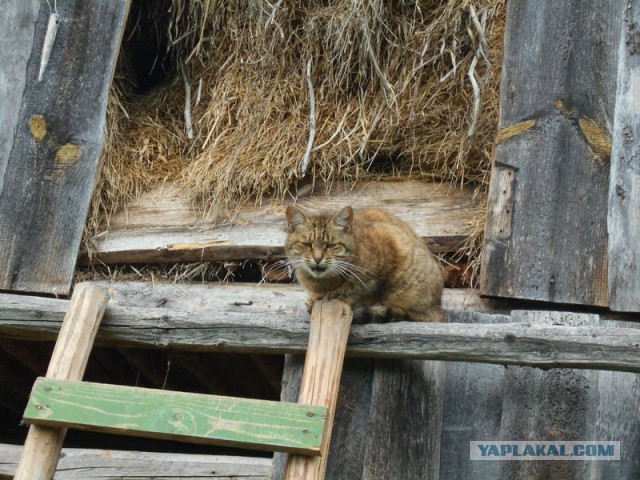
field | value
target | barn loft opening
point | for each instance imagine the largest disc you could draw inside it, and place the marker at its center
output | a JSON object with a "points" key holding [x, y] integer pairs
{"points": [[145, 62]]}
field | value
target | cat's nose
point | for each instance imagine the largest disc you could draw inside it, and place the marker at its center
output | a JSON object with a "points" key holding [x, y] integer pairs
{"points": [[317, 260]]}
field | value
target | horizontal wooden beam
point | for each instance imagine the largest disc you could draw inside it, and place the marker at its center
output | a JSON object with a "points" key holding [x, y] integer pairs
{"points": [[163, 227], [272, 319], [80, 464], [187, 417]]}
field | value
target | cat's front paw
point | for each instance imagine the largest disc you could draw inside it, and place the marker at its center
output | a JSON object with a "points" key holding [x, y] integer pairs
{"points": [[361, 316], [309, 305], [310, 301]]}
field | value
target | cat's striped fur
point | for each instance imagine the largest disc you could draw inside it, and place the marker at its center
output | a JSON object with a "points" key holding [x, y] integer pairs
{"points": [[367, 258]]}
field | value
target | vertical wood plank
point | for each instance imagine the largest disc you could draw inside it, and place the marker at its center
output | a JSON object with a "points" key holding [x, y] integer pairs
{"points": [[624, 187], [546, 235], [405, 424], [291, 380], [346, 457], [330, 323], [557, 404], [472, 412], [570, 404], [68, 362], [388, 423], [617, 397], [492, 403], [17, 22], [55, 140]]}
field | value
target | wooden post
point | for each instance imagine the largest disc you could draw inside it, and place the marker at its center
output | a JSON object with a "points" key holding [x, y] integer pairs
{"points": [[68, 362], [624, 187], [330, 323]]}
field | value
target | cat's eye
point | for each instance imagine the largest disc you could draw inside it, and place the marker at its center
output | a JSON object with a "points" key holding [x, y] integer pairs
{"points": [[331, 245], [306, 244]]}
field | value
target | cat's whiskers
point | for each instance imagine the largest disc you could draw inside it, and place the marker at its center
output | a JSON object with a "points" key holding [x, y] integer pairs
{"points": [[353, 267], [346, 270], [343, 272], [279, 267]]}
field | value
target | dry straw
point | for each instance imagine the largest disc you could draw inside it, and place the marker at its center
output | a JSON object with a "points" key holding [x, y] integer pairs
{"points": [[285, 90]]}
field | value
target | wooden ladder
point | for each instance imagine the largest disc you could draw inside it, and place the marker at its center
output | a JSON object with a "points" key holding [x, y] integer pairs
{"points": [[60, 400]]}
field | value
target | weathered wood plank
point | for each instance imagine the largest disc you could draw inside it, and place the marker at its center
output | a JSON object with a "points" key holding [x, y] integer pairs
{"points": [[624, 187], [546, 237], [283, 328], [330, 322], [196, 418], [18, 26], [472, 411], [68, 362], [201, 297], [484, 402], [617, 401], [559, 404], [355, 389], [56, 140], [81, 464], [393, 408], [405, 420], [163, 227]]}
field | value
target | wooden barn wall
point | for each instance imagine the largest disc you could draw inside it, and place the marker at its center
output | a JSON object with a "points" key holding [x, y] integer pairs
{"points": [[546, 235], [414, 419], [51, 133], [624, 188]]}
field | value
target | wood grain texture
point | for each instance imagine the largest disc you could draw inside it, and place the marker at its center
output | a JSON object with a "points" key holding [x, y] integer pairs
{"points": [[388, 423], [616, 398], [405, 424], [484, 402], [488, 402], [546, 236], [17, 22], [83, 464], [560, 405], [472, 411], [256, 327], [163, 227], [286, 298], [330, 322], [68, 362], [56, 140], [624, 187], [189, 417]]}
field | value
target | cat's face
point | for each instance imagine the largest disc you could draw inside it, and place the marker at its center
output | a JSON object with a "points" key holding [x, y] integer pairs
{"points": [[320, 244]]}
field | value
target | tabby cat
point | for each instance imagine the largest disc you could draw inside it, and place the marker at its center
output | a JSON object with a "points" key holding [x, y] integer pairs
{"points": [[367, 258]]}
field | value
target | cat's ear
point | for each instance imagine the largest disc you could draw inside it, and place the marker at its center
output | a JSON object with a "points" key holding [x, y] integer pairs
{"points": [[295, 218], [343, 219]]}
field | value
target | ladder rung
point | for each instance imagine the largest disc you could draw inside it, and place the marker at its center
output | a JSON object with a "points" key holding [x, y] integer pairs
{"points": [[198, 418]]}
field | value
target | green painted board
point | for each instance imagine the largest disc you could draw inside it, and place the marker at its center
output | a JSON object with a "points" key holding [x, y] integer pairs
{"points": [[197, 418]]}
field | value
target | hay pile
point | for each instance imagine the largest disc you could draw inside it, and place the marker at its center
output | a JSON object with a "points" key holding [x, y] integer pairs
{"points": [[286, 91]]}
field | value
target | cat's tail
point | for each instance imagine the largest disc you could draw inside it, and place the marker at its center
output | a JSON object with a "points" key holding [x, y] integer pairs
{"points": [[384, 314], [431, 314]]}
